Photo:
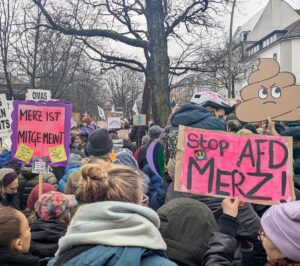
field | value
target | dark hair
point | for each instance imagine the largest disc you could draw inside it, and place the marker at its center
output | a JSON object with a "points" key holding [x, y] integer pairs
{"points": [[114, 135], [251, 127], [10, 226], [234, 126]]}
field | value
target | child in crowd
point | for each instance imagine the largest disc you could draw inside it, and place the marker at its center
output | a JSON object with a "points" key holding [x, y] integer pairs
{"points": [[15, 239], [53, 212]]}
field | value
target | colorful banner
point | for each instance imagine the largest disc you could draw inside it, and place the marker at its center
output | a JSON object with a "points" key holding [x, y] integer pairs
{"points": [[41, 129], [255, 168]]}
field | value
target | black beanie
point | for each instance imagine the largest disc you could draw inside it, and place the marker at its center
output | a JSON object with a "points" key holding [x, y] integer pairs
{"points": [[99, 143]]}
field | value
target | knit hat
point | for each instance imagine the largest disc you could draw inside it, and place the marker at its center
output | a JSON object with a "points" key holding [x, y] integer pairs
{"points": [[281, 224], [292, 132], [34, 194], [52, 205], [186, 226], [86, 119], [154, 132], [99, 143], [7, 175]]}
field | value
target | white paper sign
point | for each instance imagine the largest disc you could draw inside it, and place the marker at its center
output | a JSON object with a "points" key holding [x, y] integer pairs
{"points": [[38, 95], [5, 118], [114, 122]]}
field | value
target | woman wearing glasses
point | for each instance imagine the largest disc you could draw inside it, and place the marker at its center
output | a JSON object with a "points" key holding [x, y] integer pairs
{"points": [[280, 235]]}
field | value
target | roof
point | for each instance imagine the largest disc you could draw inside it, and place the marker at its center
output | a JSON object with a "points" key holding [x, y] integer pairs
{"points": [[293, 30], [249, 25]]}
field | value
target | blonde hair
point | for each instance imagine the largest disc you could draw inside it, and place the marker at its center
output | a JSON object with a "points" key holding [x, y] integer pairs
{"points": [[105, 181]]}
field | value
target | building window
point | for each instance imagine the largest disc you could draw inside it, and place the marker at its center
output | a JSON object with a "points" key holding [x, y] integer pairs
{"points": [[275, 56]]}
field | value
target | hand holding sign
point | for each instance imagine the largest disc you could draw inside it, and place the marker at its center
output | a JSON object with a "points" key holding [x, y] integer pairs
{"points": [[255, 168]]}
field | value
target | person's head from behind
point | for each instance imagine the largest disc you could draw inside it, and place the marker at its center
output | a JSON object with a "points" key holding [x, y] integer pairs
{"points": [[186, 226], [55, 206], [100, 144], [280, 231], [233, 126], [105, 181], [34, 194], [14, 230], [155, 132], [8, 182]]}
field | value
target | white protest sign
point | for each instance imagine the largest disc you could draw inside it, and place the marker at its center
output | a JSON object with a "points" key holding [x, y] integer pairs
{"points": [[5, 118], [40, 165], [114, 122], [38, 95]]}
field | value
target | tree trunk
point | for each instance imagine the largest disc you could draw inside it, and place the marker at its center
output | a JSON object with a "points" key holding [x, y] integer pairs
{"points": [[157, 64]]}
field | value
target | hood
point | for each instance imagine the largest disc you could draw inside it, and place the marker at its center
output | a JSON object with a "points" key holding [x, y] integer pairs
{"points": [[113, 223], [26, 171], [195, 116]]}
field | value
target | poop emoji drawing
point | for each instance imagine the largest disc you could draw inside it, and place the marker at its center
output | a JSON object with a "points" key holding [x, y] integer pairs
{"points": [[270, 93]]}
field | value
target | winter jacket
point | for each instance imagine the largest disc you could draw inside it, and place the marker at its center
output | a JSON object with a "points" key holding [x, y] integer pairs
{"points": [[157, 198], [10, 200], [44, 238], [142, 156], [249, 222], [14, 258], [222, 246], [193, 115], [6, 161], [112, 256], [155, 180], [134, 242], [70, 169], [186, 226], [28, 180], [5, 158], [137, 133]]}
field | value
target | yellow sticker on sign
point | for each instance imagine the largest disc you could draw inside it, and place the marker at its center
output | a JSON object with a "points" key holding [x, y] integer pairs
{"points": [[58, 154], [24, 153]]}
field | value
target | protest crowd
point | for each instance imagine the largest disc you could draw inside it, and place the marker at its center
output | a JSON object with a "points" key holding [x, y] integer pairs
{"points": [[117, 202]]}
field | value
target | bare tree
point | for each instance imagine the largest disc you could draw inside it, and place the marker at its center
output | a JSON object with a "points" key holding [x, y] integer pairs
{"points": [[145, 25], [7, 15], [124, 87]]}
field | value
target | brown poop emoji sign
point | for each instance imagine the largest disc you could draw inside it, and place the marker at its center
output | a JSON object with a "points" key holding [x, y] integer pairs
{"points": [[270, 93]]}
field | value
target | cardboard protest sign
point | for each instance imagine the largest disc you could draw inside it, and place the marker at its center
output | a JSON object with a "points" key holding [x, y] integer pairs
{"points": [[40, 165], [269, 93], [139, 120], [5, 118], [41, 129], [114, 122], [38, 95], [76, 116], [256, 168]]}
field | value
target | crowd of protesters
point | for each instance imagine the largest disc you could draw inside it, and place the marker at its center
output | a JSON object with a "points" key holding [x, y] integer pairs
{"points": [[108, 207]]}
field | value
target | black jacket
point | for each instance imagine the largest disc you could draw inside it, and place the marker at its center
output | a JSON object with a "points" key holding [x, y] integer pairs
{"points": [[224, 245], [11, 200], [137, 133], [44, 238], [14, 258]]}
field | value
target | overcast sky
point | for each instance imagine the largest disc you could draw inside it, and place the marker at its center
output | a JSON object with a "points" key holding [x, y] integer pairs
{"points": [[248, 8]]}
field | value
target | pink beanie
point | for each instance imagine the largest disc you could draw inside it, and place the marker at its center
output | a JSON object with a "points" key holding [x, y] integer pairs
{"points": [[34, 194], [281, 224]]}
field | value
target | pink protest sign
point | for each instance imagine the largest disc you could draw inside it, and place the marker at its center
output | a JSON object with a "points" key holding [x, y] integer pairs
{"points": [[256, 168], [41, 128]]}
